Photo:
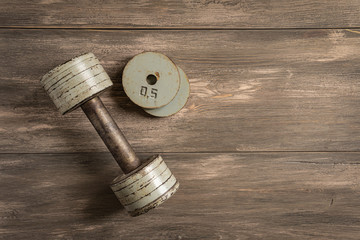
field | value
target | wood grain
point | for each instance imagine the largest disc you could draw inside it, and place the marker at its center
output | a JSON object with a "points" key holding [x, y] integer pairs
{"points": [[180, 14], [267, 146], [295, 90], [221, 196]]}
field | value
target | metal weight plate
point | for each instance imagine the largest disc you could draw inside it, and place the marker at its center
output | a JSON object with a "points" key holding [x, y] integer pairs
{"points": [[151, 80], [178, 102], [146, 187], [76, 81]]}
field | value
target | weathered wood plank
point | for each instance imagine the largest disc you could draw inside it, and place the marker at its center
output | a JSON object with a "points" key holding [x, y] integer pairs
{"points": [[180, 14], [221, 196], [250, 91]]}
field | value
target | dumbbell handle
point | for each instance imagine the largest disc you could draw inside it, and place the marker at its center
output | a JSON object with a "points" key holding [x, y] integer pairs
{"points": [[111, 134]]}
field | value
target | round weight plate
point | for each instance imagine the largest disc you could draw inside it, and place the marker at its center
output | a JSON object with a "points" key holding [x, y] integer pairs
{"points": [[75, 82], [151, 80], [146, 187], [178, 102]]}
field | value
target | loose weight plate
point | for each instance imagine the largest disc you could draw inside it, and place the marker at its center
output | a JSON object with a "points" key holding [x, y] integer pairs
{"points": [[151, 80]]}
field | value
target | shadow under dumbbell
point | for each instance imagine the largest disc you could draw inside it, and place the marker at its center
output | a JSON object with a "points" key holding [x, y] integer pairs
{"points": [[99, 170], [89, 190], [102, 203]]}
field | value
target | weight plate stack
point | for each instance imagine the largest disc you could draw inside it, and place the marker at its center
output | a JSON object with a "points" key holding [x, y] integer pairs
{"points": [[146, 187], [152, 81]]}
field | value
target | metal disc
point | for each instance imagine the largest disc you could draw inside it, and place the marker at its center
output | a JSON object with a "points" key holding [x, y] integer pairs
{"points": [[178, 102], [146, 187], [151, 80], [75, 82]]}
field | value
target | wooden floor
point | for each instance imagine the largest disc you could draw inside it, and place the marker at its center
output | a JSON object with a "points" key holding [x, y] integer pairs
{"points": [[267, 147]]}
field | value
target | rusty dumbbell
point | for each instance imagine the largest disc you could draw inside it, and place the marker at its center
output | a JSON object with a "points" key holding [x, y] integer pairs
{"points": [[78, 82]]}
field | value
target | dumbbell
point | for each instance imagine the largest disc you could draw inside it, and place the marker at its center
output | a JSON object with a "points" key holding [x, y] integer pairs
{"points": [[77, 83]]}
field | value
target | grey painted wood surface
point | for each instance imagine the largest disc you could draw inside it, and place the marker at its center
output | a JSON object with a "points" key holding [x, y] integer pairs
{"points": [[180, 14], [222, 196], [280, 90]]}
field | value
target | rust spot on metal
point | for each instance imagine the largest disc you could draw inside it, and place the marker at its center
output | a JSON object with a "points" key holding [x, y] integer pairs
{"points": [[157, 75]]}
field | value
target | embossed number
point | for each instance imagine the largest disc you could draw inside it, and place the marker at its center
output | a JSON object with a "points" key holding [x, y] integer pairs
{"points": [[153, 92], [143, 91]]}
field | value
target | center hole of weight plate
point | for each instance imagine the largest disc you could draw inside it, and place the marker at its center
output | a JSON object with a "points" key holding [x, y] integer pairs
{"points": [[151, 79]]}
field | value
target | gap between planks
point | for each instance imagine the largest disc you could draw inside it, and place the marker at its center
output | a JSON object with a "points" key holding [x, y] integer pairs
{"points": [[168, 28], [197, 152]]}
